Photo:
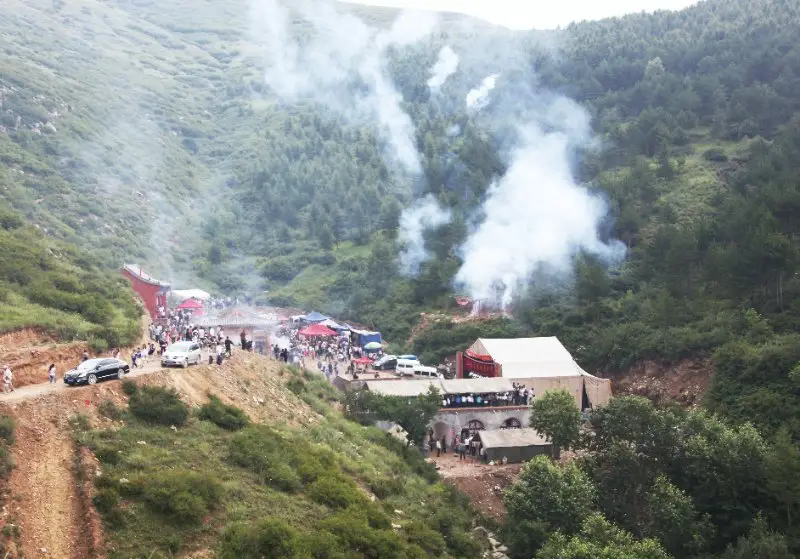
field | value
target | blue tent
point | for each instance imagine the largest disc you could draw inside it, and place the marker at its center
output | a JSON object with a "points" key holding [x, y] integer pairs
{"points": [[314, 316], [368, 337]]}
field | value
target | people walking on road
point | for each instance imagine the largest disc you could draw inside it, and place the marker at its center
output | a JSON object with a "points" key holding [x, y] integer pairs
{"points": [[51, 372], [8, 380]]}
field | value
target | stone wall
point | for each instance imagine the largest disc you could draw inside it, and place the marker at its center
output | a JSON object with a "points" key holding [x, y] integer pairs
{"points": [[447, 421]]}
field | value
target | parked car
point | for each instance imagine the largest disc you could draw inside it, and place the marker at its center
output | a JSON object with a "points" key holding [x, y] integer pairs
{"points": [[92, 370], [405, 367], [385, 363], [182, 354], [423, 372]]}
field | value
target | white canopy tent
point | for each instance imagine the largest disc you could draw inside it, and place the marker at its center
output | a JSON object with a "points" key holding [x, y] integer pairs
{"points": [[543, 364], [183, 294]]}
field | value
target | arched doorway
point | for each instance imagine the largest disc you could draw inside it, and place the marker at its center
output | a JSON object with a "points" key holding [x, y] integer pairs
{"points": [[511, 423], [473, 426]]}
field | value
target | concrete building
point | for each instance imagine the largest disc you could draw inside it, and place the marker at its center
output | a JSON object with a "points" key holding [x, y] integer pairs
{"points": [[515, 445], [468, 405]]}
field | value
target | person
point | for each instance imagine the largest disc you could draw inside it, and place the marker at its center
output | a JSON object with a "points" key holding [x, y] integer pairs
{"points": [[438, 448], [51, 372], [228, 346], [444, 444], [8, 380], [85, 356]]}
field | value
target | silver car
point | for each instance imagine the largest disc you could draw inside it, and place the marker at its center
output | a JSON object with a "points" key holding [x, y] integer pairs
{"points": [[181, 354]]}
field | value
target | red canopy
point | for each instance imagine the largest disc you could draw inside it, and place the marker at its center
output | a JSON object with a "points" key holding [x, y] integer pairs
{"points": [[317, 330], [191, 303], [362, 361]]}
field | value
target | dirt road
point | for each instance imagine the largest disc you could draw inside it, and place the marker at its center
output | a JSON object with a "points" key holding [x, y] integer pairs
{"points": [[35, 390]]}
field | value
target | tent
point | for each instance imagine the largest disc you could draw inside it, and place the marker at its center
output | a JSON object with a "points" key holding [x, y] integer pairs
{"points": [[314, 316], [191, 293], [330, 323], [516, 445], [317, 330], [362, 361], [542, 364], [192, 304]]}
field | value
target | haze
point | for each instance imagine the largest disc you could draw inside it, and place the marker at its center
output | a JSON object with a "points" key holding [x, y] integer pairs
{"points": [[516, 14]]}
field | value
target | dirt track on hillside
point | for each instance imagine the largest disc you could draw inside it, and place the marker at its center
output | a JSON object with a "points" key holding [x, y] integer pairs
{"points": [[53, 510]]}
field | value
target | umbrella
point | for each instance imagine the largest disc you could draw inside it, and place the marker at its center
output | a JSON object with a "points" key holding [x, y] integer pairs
{"points": [[373, 345]]}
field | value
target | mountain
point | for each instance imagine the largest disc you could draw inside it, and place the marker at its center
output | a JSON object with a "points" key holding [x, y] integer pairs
{"points": [[297, 156]]}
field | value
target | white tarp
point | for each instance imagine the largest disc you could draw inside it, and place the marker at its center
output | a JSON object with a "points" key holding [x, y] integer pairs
{"points": [[184, 294]]}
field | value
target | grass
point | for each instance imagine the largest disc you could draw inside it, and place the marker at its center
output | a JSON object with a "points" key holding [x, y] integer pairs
{"points": [[165, 492]]}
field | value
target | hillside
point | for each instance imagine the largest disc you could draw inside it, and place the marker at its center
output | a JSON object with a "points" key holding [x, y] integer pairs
{"points": [[288, 477], [628, 185]]}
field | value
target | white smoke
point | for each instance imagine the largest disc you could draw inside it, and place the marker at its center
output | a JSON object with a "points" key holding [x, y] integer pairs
{"points": [[478, 98], [446, 65], [341, 63], [535, 215], [424, 214]]}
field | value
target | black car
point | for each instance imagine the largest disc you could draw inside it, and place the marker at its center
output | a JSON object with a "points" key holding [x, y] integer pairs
{"points": [[92, 370], [385, 364]]}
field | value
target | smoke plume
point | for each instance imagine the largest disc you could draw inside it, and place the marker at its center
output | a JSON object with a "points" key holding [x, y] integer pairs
{"points": [[536, 216], [342, 64], [425, 214], [446, 65], [478, 98]]}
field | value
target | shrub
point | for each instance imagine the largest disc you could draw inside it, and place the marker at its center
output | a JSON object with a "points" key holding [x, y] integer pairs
{"points": [[269, 538], [353, 532], [223, 415], [280, 463], [109, 409], [335, 493], [107, 454], [158, 405], [106, 499], [421, 535], [296, 385], [384, 487], [183, 495], [97, 345], [7, 429], [129, 387], [6, 462]]}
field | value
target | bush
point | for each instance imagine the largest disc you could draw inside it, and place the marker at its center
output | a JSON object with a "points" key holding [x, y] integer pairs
{"points": [[384, 487], [336, 493], [223, 415], [6, 462], [129, 387], [284, 464], [109, 409], [158, 405], [269, 538], [106, 499], [185, 496], [7, 429], [296, 385], [421, 535], [107, 454]]}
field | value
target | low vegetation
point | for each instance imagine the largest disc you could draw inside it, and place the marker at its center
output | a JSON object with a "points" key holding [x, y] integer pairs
{"points": [[332, 489]]}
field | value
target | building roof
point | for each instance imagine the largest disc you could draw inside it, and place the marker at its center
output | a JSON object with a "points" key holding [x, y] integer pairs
{"points": [[237, 317], [509, 438], [529, 357], [476, 385], [416, 387], [403, 388], [140, 274]]}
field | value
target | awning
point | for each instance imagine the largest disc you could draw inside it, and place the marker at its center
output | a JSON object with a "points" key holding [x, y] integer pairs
{"points": [[317, 330], [314, 316]]}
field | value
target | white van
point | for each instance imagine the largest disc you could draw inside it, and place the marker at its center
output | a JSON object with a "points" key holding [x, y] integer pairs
{"points": [[405, 367], [421, 371]]}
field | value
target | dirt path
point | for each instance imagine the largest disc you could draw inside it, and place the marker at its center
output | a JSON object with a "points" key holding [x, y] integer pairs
{"points": [[483, 484], [44, 499], [35, 390]]}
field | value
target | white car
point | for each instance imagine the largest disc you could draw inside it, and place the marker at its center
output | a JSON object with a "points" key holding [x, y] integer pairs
{"points": [[182, 354]]}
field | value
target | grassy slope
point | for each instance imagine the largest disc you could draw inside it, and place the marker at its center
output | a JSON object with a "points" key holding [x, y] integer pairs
{"points": [[135, 528]]}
